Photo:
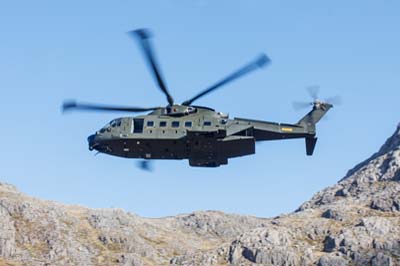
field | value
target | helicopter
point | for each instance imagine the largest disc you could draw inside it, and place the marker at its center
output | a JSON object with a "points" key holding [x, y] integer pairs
{"points": [[203, 136]]}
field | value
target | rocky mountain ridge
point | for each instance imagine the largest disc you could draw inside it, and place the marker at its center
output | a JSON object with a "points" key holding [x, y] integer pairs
{"points": [[355, 222]]}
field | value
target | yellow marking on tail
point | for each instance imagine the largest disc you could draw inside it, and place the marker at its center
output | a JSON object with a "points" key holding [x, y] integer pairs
{"points": [[287, 129]]}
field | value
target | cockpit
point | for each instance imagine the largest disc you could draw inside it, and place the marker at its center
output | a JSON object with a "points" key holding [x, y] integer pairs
{"points": [[113, 124]]}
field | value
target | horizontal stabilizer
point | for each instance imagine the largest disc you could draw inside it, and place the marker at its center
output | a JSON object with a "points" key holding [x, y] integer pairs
{"points": [[310, 145]]}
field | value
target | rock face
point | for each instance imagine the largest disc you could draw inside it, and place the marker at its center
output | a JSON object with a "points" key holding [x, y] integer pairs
{"points": [[355, 222]]}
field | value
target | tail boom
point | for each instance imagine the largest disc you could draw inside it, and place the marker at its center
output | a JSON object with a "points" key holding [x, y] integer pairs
{"points": [[263, 130]]}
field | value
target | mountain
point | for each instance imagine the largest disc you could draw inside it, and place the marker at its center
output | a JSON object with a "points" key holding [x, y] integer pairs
{"points": [[355, 222]]}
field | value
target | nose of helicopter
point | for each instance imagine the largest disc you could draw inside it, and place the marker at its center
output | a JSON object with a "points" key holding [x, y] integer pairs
{"points": [[91, 141]]}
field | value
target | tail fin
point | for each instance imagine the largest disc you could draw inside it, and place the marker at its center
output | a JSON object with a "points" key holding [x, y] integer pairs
{"points": [[309, 121], [313, 117], [310, 145]]}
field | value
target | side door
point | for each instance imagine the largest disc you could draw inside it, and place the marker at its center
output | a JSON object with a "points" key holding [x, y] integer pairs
{"points": [[138, 125]]}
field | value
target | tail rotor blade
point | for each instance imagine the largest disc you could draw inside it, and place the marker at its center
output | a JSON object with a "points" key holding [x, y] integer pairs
{"points": [[301, 105], [335, 100], [313, 91]]}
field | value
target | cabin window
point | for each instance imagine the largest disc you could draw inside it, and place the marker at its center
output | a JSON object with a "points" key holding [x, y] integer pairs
{"points": [[207, 123], [163, 124], [150, 123], [175, 124], [188, 124], [223, 121]]}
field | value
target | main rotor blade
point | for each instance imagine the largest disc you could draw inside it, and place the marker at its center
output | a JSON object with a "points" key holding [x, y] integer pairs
{"points": [[73, 105], [145, 165], [143, 36], [258, 63]]}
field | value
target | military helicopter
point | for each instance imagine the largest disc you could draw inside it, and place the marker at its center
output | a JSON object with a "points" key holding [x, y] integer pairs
{"points": [[205, 137]]}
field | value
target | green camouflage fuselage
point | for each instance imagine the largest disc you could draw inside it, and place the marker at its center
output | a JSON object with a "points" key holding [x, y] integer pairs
{"points": [[201, 135]]}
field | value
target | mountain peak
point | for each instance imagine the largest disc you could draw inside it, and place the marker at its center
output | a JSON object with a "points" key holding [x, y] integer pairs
{"points": [[382, 165], [374, 182], [392, 143]]}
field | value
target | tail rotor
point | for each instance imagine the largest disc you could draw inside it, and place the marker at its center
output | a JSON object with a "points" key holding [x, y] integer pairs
{"points": [[317, 102]]}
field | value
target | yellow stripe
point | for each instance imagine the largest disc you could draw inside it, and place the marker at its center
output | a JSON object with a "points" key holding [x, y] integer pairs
{"points": [[287, 129]]}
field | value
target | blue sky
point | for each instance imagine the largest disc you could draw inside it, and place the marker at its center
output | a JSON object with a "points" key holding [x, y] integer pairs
{"points": [[56, 50]]}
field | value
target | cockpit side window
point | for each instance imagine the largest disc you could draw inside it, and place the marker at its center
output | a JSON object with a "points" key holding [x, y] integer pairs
{"points": [[115, 123], [110, 125]]}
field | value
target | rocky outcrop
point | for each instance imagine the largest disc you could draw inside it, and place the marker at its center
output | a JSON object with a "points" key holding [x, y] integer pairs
{"points": [[355, 222], [35, 232], [373, 183]]}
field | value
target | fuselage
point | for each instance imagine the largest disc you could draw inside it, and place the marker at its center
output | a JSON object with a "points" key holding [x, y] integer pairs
{"points": [[204, 136]]}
